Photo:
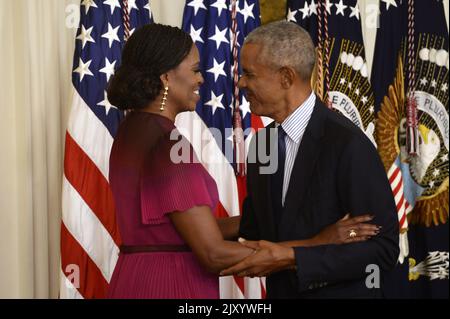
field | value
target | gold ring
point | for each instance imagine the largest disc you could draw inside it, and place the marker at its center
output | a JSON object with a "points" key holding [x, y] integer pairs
{"points": [[352, 233]]}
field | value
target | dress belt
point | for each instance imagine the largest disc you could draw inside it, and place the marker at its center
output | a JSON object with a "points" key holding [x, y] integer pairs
{"points": [[124, 249]]}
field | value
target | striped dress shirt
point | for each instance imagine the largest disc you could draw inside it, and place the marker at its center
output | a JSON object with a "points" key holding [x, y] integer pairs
{"points": [[294, 126]]}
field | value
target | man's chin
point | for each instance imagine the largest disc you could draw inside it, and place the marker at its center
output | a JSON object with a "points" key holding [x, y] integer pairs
{"points": [[255, 111]]}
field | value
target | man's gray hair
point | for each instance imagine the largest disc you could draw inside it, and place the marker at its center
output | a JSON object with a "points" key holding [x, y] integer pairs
{"points": [[285, 43]]}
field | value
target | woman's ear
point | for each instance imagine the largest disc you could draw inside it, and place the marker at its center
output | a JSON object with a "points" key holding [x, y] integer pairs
{"points": [[164, 79]]}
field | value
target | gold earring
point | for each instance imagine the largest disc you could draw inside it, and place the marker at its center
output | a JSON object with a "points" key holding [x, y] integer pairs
{"points": [[164, 99]]}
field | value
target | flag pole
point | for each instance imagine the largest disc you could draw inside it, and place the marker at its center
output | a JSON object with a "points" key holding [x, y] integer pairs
{"points": [[238, 135]]}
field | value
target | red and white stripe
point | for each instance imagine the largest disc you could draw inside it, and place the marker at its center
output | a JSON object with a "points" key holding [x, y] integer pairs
{"points": [[403, 207], [89, 233]]}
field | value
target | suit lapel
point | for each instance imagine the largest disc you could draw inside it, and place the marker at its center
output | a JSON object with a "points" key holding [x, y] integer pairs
{"points": [[303, 169]]}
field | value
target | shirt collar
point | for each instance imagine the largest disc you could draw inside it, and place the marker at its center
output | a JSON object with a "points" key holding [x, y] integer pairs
{"points": [[295, 124]]}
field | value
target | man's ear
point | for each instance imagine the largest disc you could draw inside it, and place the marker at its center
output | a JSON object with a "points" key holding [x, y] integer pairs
{"points": [[288, 76]]}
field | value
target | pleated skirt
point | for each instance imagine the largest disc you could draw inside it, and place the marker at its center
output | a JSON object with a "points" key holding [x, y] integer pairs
{"points": [[162, 275]]}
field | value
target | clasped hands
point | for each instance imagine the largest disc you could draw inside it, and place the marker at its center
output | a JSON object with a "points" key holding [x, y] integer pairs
{"points": [[267, 257]]}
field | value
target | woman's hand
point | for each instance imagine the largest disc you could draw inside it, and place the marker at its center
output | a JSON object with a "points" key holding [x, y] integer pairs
{"points": [[347, 230]]}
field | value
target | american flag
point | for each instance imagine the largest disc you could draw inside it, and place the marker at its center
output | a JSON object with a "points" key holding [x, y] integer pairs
{"points": [[89, 233], [210, 24]]}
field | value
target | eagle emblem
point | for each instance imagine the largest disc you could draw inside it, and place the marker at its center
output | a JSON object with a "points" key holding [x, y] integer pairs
{"points": [[425, 176]]}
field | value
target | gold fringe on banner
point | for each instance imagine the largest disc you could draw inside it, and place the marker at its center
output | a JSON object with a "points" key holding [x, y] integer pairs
{"points": [[272, 10]]}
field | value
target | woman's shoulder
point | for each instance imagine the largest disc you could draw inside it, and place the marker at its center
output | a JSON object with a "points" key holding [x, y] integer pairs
{"points": [[149, 121], [144, 128]]}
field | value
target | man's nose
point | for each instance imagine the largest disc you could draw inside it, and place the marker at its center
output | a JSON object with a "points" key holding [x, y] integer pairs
{"points": [[242, 84]]}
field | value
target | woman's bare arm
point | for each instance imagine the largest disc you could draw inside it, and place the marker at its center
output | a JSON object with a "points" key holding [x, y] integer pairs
{"points": [[198, 227]]}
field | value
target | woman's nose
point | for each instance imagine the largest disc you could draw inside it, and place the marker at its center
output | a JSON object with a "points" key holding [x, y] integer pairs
{"points": [[200, 79]]}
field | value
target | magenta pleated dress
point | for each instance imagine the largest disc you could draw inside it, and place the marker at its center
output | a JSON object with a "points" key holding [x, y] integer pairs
{"points": [[147, 186]]}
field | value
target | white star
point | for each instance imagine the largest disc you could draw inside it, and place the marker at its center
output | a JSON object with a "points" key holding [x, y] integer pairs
{"points": [[85, 36], [305, 10], [230, 7], [83, 69], [340, 8], [220, 36], [113, 4], [342, 81], [196, 4], [196, 34], [147, 6], [245, 107], [88, 4], [444, 87], [371, 109], [431, 184], [328, 6], [355, 11], [444, 157], [313, 8], [132, 5], [389, 3], [232, 71], [111, 35], [357, 91], [433, 83], [106, 103], [217, 69], [231, 137], [364, 99], [436, 172], [215, 102], [232, 40], [349, 85], [247, 11], [291, 15], [423, 81], [220, 5], [108, 69], [132, 31]]}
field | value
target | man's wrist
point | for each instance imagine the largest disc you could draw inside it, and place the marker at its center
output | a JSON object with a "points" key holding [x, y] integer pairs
{"points": [[291, 262]]}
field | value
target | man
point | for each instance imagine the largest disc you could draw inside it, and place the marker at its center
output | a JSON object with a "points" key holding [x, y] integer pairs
{"points": [[326, 167]]}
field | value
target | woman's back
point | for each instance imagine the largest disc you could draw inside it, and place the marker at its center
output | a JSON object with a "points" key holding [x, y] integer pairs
{"points": [[146, 186]]}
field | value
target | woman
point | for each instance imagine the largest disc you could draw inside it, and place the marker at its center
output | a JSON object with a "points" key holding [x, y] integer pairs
{"points": [[173, 245]]}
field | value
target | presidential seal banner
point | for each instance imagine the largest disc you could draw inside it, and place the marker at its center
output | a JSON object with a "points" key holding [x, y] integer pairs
{"points": [[413, 59], [341, 74]]}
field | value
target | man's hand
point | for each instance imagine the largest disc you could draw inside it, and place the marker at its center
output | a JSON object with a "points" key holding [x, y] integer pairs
{"points": [[268, 257]]}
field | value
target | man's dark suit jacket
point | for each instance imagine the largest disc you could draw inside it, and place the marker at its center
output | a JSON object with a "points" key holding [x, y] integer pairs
{"points": [[337, 171]]}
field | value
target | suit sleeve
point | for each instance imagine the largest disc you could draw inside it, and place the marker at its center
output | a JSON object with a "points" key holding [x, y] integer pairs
{"points": [[248, 228], [363, 188]]}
